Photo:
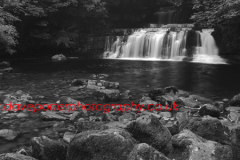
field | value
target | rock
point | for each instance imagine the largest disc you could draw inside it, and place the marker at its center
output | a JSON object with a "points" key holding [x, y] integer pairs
{"points": [[200, 98], [188, 146], [209, 128], [143, 151], [156, 92], [126, 95], [52, 116], [184, 94], [22, 115], [15, 156], [88, 125], [127, 117], [79, 82], [171, 89], [107, 95], [166, 114], [8, 134], [59, 57], [234, 116], [235, 101], [109, 117], [7, 70], [219, 105], [102, 84], [235, 139], [68, 136], [112, 144], [74, 89], [147, 103], [148, 129], [64, 126], [209, 110], [4, 64], [75, 116], [233, 109], [189, 102], [47, 149]]}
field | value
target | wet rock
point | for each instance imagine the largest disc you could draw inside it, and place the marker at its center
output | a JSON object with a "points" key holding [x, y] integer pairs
{"points": [[127, 117], [47, 149], [188, 146], [59, 57], [143, 151], [8, 134], [15, 156], [107, 95], [109, 117], [74, 89], [209, 128], [88, 125], [165, 114], [156, 92], [189, 102], [68, 136], [148, 129], [200, 98], [148, 103], [235, 101], [102, 84], [209, 110], [101, 145], [52, 116], [233, 109]]}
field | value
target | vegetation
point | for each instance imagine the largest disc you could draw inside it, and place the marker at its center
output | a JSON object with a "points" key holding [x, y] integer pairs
{"points": [[224, 16]]}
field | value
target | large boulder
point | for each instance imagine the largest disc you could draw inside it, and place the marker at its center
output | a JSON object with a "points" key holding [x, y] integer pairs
{"points": [[114, 144], [148, 129], [15, 156], [143, 151], [209, 110], [209, 128], [189, 146], [44, 148], [107, 95]]}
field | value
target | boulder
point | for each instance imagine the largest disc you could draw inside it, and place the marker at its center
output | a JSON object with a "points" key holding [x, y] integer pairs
{"points": [[46, 149], [148, 129], [189, 102], [235, 101], [189, 146], [107, 95], [15, 156], [8, 134], [114, 144], [143, 151], [59, 57], [209, 110], [209, 128]]}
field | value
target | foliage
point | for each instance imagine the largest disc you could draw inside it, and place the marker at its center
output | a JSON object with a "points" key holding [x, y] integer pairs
{"points": [[223, 15]]}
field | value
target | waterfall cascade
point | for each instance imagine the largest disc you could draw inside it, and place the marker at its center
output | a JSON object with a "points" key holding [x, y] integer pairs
{"points": [[163, 43]]}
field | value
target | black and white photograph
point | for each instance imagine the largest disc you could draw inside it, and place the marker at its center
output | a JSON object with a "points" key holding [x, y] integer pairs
{"points": [[119, 79]]}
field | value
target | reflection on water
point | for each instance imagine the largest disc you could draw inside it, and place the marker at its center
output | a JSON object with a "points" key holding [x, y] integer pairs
{"points": [[52, 80]]}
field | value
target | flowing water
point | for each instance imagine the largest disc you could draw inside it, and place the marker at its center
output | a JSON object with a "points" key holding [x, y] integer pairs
{"points": [[162, 43]]}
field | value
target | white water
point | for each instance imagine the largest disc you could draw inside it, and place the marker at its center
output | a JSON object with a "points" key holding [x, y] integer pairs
{"points": [[161, 44]]}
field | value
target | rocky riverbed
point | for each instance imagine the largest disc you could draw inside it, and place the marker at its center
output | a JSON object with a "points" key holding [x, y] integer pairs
{"points": [[201, 129]]}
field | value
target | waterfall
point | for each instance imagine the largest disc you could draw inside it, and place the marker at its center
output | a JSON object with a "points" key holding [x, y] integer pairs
{"points": [[206, 50], [162, 43]]}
